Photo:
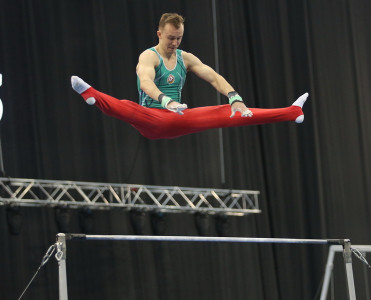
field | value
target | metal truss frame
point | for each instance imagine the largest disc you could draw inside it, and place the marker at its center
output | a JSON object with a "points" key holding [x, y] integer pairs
{"points": [[75, 194]]}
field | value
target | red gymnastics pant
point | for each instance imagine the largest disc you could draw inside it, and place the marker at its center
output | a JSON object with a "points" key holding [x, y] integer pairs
{"points": [[154, 123]]}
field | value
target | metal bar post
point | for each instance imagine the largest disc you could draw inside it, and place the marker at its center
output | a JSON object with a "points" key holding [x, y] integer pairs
{"points": [[349, 270], [61, 258], [329, 268]]}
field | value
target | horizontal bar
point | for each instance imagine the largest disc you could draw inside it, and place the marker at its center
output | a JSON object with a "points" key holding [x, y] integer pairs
{"points": [[202, 239]]}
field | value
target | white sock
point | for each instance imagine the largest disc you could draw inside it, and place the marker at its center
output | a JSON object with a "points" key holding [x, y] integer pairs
{"points": [[299, 119], [301, 100], [79, 85]]}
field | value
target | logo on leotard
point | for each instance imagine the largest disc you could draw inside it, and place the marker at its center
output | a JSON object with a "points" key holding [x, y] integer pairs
{"points": [[170, 79]]}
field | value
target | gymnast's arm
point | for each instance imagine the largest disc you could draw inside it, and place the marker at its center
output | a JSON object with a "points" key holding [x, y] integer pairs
{"points": [[206, 73], [146, 73]]}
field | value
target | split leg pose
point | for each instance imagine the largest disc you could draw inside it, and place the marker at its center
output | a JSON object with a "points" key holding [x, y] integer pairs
{"points": [[157, 123]]}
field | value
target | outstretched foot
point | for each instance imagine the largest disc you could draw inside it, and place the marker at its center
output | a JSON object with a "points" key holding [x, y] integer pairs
{"points": [[300, 102], [81, 86]]}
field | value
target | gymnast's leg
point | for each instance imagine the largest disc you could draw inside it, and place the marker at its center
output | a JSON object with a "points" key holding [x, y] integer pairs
{"points": [[204, 118], [142, 118], [152, 123]]}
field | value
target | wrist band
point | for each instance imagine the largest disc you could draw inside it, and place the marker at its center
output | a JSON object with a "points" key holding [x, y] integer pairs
{"points": [[231, 94], [164, 100], [234, 97], [236, 100]]}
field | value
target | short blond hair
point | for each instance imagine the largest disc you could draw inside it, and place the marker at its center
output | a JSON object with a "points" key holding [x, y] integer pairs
{"points": [[171, 18]]}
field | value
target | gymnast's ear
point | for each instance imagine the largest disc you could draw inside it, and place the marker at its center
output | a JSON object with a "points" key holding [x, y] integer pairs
{"points": [[159, 33]]}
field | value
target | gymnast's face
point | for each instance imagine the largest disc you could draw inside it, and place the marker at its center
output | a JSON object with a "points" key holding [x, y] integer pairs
{"points": [[170, 37]]}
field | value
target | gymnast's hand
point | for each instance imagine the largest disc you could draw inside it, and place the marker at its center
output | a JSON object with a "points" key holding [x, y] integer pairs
{"points": [[241, 107], [170, 104], [237, 104], [177, 107]]}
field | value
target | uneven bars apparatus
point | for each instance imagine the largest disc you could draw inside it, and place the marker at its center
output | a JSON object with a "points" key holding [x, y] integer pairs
{"points": [[62, 248]]}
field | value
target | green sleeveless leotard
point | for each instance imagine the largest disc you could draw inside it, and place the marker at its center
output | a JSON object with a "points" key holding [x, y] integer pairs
{"points": [[170, 82]]}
